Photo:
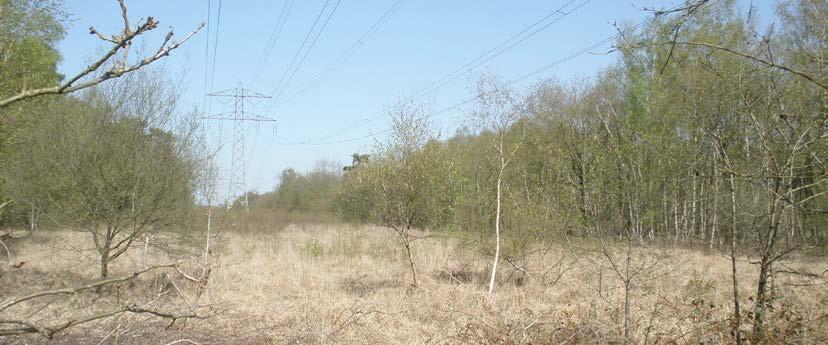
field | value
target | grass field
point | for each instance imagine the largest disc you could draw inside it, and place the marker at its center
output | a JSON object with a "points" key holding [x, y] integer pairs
{"points": [[350, 285]]}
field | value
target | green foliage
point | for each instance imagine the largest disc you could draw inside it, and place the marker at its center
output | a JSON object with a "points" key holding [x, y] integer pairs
{"points": [[118, 161], [138, 173], [29, 33], [312, 247], [312, 193], [407, 183]]}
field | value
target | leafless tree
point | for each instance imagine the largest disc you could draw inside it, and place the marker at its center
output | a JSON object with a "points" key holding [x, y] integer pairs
{"points": [[498, 109], [403, 175]]}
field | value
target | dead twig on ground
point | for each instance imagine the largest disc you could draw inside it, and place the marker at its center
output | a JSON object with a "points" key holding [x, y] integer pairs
{"points": [[19, 327]]}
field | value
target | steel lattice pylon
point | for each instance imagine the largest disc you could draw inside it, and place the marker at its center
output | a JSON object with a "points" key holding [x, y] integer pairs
{"points": [[240, 95]]}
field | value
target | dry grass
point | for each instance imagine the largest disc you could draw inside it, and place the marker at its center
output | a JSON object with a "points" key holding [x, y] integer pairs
{"points": [[341, 284]]}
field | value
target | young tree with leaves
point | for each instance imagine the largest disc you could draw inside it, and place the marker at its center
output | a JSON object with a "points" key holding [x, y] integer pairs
{"points": [[137, 178]]}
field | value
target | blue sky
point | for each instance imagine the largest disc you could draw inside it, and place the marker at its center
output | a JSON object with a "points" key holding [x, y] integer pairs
{"points": [[424, 41]]}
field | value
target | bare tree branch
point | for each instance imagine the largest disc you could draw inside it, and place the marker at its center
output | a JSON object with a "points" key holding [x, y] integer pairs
{"points": [[4, 204], [748, 56], [688, 9], [119, 43]]}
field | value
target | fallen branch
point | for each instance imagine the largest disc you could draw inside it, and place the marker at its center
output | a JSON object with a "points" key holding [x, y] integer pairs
{"points": [[28, 327], [511, 262], [180, 341], [70, 290], [453, 277], [50, 331]]}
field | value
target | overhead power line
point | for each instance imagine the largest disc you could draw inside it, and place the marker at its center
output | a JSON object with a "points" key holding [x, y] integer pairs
{"points": [[505, 45], [442, 111], [206, 58], [215, 53], [546, 21], [319, 33], [274, 37], [519, 79], [325, 73], [291, 70], [301, 47]]}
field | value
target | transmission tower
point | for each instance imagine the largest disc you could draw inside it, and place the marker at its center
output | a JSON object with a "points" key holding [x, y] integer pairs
{"points": [[239, 116]]}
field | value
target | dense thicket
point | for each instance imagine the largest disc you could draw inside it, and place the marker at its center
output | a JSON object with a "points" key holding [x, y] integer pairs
{"points": [[117, 161], [107, 151], [29, 33]]}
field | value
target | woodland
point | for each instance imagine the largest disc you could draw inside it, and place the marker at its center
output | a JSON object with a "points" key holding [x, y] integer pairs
{"points": [[707, 138]]}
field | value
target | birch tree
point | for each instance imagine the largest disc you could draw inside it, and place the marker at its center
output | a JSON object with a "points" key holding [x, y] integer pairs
{"points": [[497, 110]]}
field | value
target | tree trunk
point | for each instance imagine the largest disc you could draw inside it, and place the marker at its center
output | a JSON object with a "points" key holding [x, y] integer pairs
{"points": [[761, 300], [205, 271], [665, 209], [702, 209], [737, 313], [32, 221], [765, 273], [104, 268], [145, 255], [104, 250], [676, 219], [714, 219], [497, 228], [407, 244], [628, 288], [104, 271], [692, 230]]}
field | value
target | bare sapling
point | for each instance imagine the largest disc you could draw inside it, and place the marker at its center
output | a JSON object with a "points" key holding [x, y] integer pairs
{"points": [[207, 190], [497, 111], [403, 171]]}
